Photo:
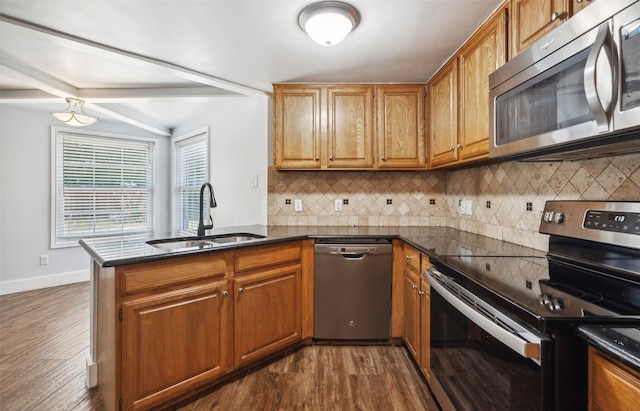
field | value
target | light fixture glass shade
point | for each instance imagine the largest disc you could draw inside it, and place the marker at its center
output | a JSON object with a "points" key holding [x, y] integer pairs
{"points": [[70, 115], [328, 22]]}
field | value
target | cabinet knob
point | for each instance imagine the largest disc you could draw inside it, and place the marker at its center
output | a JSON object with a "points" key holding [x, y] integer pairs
{"points": [[413, 286], [225, 293], [408, 257], [240, 290], [383, 159], [555, 16], [421, 293], [578, 1], [450, 148], [317, 158], [331, 158], [459, 146]]}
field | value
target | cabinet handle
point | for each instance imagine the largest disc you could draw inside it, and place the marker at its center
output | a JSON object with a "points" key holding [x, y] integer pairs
{"points": [[450, 148], [331, 158], [578, 1], [459, 146], [317, 158], [383, 159], [413, 286], [555, 16], [408, 257], [240, 290], [421, 293], [225, 293]]}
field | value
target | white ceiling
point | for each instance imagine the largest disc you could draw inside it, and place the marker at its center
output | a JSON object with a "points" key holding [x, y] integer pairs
{"points": [[156, 64]]}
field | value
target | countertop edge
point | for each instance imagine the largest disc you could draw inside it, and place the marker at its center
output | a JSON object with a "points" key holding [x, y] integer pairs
{"points": [[608, 340]]}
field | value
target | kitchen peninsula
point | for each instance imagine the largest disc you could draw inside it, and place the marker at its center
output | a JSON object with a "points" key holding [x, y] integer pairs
{"points": [[167, 324]]}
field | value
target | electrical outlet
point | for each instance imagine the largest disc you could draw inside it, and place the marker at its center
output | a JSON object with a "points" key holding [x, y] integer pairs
{"points": [[44, 260], [297, 205], [338, 205], [461, 206], [468, 207]]}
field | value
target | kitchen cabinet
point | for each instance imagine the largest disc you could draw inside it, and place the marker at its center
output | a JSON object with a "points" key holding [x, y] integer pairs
{"points": [[613, 386], [425, 323], [532, 19], [400, 126], [579, 5], [411, 331], [458, 97], [297, 127], [169, 327], [480, 56], [442, 119], [349, 127], [267, 296], [174, 341]]}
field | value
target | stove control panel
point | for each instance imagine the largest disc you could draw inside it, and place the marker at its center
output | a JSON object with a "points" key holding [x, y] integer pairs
{"points": [[610, 222]]}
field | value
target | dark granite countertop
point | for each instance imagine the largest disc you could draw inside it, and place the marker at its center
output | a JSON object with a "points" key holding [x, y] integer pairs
{"points": [[433, 241], [620, 342]]}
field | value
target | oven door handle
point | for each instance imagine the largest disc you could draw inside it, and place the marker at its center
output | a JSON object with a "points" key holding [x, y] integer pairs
{"points": [[524, 342]]}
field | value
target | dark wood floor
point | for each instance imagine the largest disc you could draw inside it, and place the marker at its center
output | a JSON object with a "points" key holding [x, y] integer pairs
{"points": [[44, 340]]}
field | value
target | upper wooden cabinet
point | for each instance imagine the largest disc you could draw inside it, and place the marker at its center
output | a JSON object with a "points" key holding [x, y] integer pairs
{"points": [[350, 126], [481, 55], [400, 127], [334, 127], [297, 127], [458, 97], [578, 5], [531, 19]]}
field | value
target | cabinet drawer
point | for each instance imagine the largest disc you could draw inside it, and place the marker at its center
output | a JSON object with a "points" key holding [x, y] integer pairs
{"points": [[412, 258], [259, 257], [147, 276]]}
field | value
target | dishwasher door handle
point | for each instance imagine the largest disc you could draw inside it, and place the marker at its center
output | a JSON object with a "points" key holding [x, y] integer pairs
{"points": [[354, 256]]}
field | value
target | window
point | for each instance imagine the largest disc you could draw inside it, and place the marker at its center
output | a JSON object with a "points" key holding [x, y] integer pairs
{"points": [[191, 170], [104, 186]]}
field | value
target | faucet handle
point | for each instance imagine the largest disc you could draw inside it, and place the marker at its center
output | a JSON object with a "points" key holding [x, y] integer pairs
{"points": [[209, 226]]}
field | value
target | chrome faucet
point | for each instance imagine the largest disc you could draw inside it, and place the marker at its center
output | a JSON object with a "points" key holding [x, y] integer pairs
{"points": [[212, 203]]}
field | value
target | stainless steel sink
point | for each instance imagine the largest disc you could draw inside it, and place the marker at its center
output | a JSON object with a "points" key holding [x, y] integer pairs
{"points": [[203, 242]]}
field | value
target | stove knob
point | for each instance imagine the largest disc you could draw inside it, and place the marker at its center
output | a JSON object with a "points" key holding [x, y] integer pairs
{"points": [[547, 217], [558, 217], [544, 299]]}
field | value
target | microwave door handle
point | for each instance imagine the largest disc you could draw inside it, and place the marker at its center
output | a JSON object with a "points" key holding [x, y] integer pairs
{"points": [[602, 43]]}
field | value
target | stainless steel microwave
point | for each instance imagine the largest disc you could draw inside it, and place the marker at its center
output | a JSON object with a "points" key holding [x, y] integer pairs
{"points": [[573, 94]]}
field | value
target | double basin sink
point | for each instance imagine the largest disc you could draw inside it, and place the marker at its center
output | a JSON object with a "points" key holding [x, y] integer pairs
{"points": [[203, 242]]}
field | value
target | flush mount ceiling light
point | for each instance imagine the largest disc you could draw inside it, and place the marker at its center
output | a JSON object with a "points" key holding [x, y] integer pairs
{"points": [[328, 22], [71, 116]]}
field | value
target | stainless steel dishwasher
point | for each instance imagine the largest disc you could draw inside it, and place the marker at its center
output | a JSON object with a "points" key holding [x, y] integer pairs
{"points": [[352, 282]]}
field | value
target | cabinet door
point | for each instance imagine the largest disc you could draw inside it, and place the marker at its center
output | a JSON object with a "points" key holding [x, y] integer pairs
{"points": [[483, 54], [411, 332], [400, 126], [425, 328], [297, 127], [531, 19], [350, 126], [612, 386], [443, 115], [174, 341], [267, 314]]}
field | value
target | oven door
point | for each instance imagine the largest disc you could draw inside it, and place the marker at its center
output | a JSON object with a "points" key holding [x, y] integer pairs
{"points": [[482, 359]]}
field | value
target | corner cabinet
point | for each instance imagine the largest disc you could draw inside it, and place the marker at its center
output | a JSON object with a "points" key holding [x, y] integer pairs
{"points": [[458, 97], [349, 127]]}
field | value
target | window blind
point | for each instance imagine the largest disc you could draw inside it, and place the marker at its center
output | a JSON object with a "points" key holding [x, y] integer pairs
{"points": [[191, 171], [104, 186]]}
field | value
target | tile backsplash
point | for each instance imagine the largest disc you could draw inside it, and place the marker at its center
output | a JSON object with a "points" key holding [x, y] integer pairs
{"points": [[503, 201]]}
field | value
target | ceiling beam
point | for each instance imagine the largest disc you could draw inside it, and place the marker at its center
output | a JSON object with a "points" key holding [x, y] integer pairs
{"points": [[180, 71]]}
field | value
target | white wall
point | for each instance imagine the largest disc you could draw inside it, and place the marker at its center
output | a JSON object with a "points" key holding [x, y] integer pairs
{"points": [[25, 201], [238, 141]]}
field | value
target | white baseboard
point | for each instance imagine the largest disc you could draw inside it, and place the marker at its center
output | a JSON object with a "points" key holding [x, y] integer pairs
{"points": [[92, 373], [34, 283]]}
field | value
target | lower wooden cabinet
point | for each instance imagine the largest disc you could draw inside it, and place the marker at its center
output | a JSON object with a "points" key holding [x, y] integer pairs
{"points": [[612, 386], [174, 341], [267, 314], [411, 334], [425, 328]]}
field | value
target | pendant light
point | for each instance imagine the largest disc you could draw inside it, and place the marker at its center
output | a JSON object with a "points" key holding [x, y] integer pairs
{"points": [[72, 117], [328, 22]]}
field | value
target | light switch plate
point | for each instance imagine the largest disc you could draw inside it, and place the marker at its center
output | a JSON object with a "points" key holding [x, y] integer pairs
{"points": [[297, 205], [468, 207]]}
